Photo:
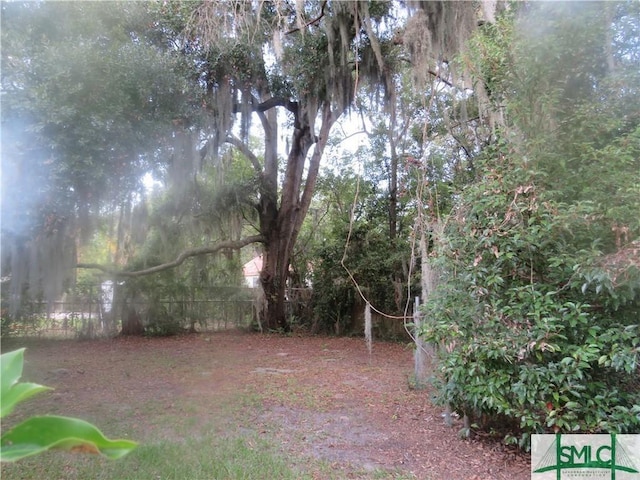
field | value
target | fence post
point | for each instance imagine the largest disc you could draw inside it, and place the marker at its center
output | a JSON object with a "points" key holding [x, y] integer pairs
{"points": [[420, 354], [91, 309]]}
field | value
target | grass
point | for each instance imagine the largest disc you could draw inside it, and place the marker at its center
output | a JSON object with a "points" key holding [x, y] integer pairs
{"points": [[174, 443], [184, 431], [181, 448], [290, 391], [207, 458], [177, 445]]}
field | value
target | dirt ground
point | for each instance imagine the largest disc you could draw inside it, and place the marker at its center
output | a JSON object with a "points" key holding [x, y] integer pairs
{"points": [[317, 397]]}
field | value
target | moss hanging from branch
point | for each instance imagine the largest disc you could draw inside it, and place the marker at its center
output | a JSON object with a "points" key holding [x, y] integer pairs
{"points": [[437, 32], [43, 266]]}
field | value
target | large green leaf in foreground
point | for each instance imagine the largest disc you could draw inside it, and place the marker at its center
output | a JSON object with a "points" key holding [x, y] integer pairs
{"points": [[11, 391], [38, 434]]}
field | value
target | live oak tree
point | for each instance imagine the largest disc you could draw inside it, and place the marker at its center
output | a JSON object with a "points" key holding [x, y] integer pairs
{"points": [[239, 62], [244, 59], [316, 52]]}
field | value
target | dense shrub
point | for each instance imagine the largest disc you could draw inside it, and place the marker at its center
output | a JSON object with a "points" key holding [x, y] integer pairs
{"points": [[538, 327]]}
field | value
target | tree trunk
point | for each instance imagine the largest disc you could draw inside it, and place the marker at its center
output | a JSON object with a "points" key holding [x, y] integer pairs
{"points": [[273, 280], [280, 225], [131, 321]]}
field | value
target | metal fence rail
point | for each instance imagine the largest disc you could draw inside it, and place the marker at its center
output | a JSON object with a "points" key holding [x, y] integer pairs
{"points": [[88, 314]]}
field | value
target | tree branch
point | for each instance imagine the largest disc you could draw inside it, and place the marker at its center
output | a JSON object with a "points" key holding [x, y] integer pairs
{"points": [[441, 78], [192, 252], [240, 145], [311, 22], [431, 72], [261, 107], [269, 104]]}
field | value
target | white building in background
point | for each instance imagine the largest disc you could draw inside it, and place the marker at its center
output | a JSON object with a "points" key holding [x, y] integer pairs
{"points": [[251, 272], [106, 289]]}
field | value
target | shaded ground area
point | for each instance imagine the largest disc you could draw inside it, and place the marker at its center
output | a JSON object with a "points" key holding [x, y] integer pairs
{"points": [[317, 398]]}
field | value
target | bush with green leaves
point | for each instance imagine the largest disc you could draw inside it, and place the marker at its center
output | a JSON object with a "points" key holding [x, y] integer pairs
{"points": [[41, 433], [537, 312], [531, 335], [374, 265]]}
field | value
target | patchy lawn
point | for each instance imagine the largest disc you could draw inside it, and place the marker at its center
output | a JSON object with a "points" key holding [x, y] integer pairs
{"points": [[240, 405]]}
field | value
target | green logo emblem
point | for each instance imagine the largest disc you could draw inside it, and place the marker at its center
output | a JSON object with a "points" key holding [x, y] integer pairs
{"points": [[582, 453]]}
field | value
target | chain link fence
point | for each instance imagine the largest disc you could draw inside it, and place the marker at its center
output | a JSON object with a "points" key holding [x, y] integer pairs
{"points": [[97, 310]]}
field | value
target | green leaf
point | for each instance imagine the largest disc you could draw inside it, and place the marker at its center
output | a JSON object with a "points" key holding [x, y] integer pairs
{"points": [[17, 394], [12, 392], [39, 434], [11, 368]]}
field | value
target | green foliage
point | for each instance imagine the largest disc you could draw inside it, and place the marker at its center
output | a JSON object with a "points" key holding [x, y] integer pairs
{"points": [[95, 102], [88, 101], [5, 325], [213, 208], [537, 313], [41, 433], [374, 263], [525, 337], [12, 391], [161, 323], [489, 58], [113, 95], [374, 260]]}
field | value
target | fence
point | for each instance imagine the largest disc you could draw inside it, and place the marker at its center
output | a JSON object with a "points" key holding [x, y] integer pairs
{"points": [[94, 312]]}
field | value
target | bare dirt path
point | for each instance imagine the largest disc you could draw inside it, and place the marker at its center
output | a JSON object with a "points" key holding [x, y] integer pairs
{"points": [[317, 397]]}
